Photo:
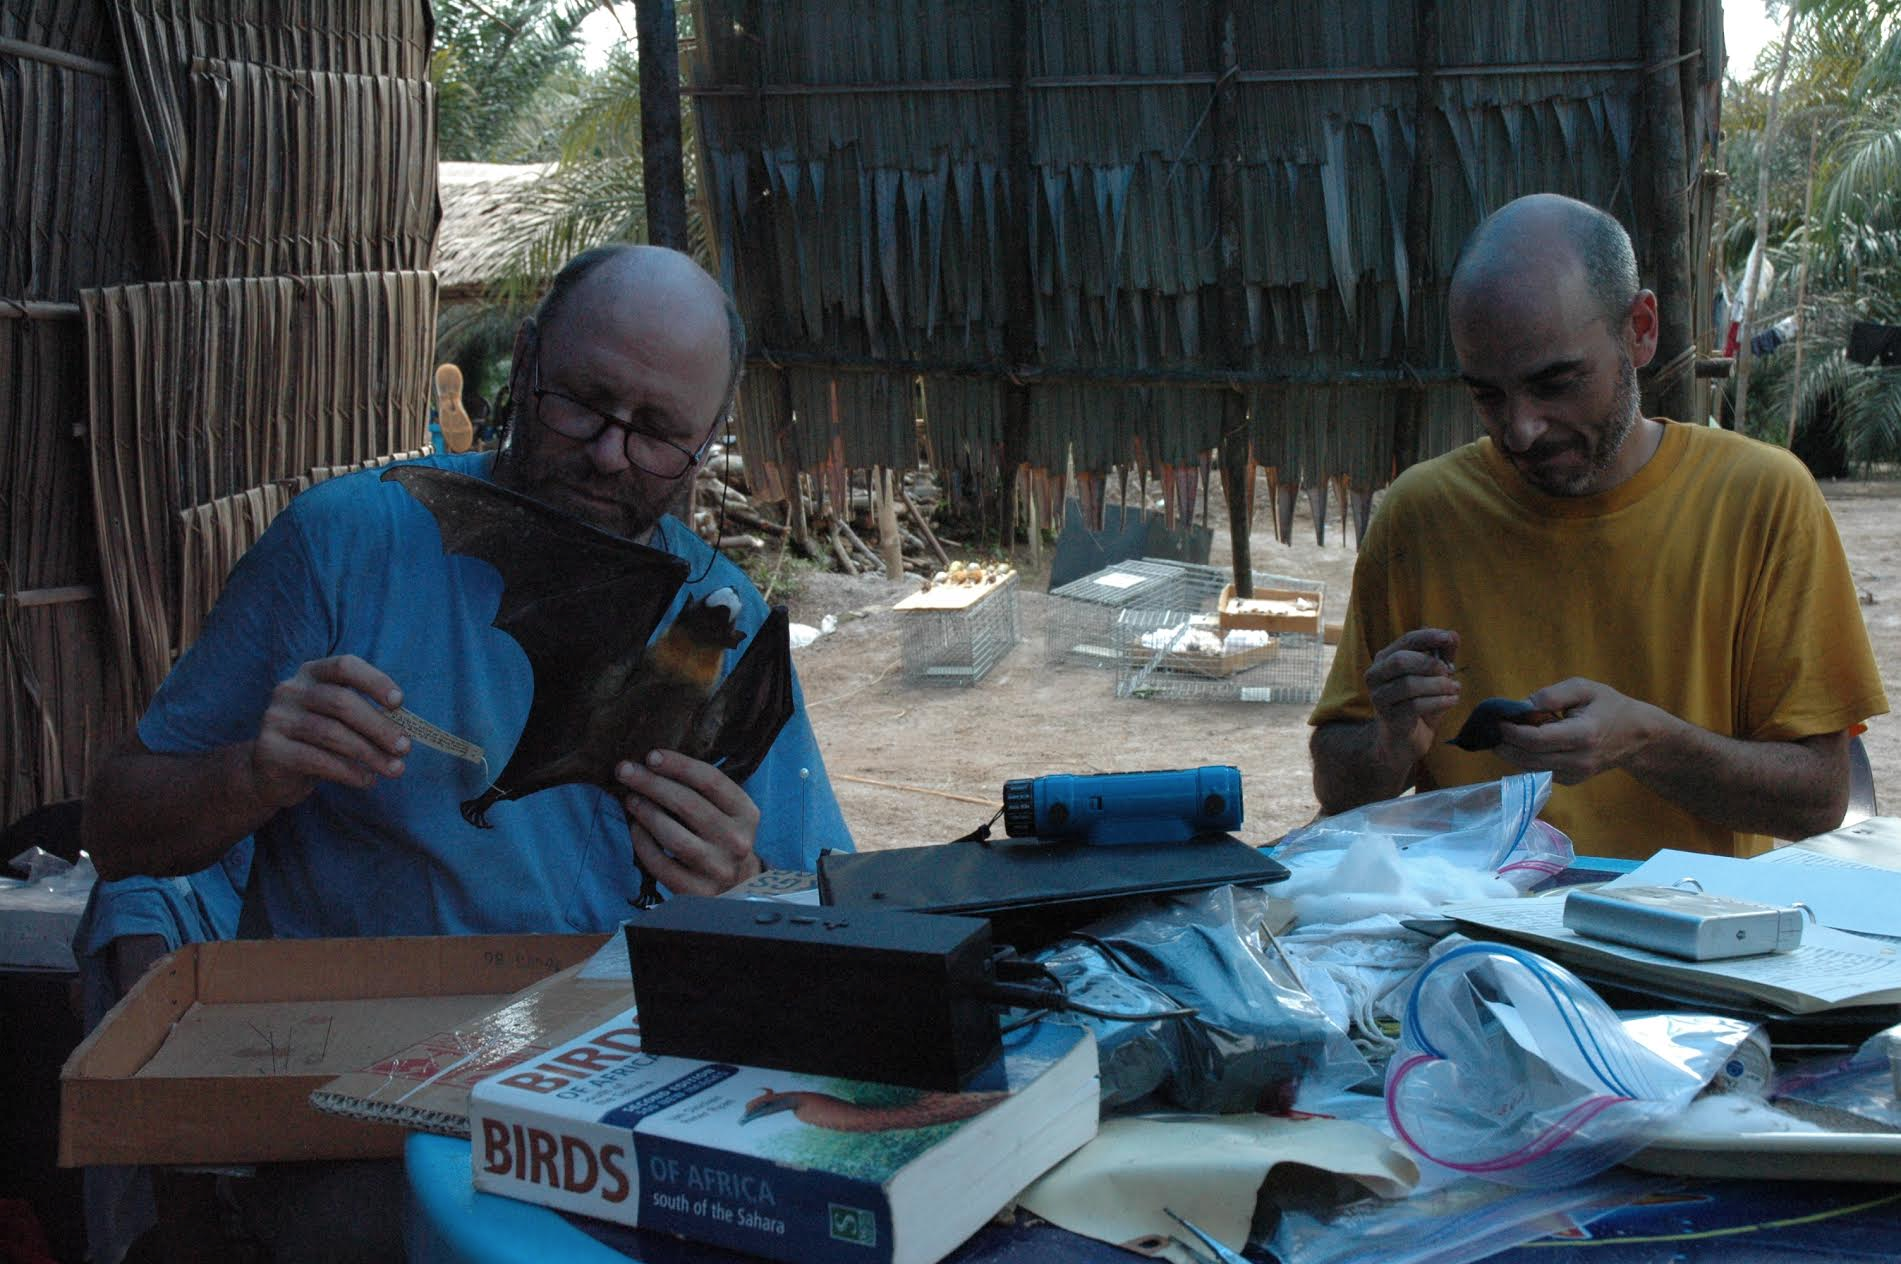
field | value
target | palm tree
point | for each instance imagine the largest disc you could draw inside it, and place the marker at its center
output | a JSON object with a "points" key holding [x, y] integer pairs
{"points": [[1844, 91], [502, 70]]}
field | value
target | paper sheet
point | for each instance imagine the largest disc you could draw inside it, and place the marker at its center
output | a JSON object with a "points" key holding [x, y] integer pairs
{"points": [[1844, 894], [1830, 968], [1207, 1170]]}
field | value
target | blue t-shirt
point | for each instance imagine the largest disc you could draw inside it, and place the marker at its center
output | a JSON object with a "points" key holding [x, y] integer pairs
{"points": [[355, 566]]}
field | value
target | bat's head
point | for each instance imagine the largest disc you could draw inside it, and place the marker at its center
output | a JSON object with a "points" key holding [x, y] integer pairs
{"points": [[712, 619]]}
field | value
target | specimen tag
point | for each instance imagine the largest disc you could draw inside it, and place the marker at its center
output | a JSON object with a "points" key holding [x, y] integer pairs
{"points": [[433, 736]]}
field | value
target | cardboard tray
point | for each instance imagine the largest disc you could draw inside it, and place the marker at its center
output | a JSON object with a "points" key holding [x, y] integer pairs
{"points": [[213, 1055], [1212, 666], [1263, 621]]}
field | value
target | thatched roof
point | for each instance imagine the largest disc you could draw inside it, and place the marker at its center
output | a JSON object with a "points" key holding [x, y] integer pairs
{"points": [[485, 215]]}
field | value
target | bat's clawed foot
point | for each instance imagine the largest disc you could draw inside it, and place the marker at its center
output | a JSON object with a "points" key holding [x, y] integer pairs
{"points": [[475, 811], [649, 896]]}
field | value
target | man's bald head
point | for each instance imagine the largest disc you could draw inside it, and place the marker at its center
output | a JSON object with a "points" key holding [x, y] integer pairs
{"points": [[597, 283], [1541, 239]]}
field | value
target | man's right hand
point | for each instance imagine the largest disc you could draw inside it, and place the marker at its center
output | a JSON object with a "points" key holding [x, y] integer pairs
{"points": [[1412, 685], [325, 724]]}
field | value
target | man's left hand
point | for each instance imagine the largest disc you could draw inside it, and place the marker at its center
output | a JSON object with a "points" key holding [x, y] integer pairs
{"points": [[1598, 729], [692, 826]]}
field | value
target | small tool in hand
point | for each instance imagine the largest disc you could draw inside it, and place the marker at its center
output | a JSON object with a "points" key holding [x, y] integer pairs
{"points": [[1221, 1253]]}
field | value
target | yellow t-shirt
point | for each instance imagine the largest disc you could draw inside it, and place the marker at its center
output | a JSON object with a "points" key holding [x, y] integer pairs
{"points": [[1711, 584]]}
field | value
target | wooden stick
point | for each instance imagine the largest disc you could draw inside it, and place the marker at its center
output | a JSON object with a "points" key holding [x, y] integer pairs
{"points": [[838, 551], [924, 526], [1752, 280], [1802, 291], [893, 785], [859, 544]]}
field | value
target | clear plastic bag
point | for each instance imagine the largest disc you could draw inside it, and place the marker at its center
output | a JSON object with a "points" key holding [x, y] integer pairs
{"points": [[52, 874], [1486, 827], [1467, 1221], [1512, 1069], [1257, 1036], [1860, 1093]]}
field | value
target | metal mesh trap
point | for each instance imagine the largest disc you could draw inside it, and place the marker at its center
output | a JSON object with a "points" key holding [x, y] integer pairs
{"points": [[1268, 650], [1082, 613], [944, 643]]}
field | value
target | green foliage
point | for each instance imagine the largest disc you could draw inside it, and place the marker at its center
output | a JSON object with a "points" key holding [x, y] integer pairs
{"points": [[1843, 89], [502, 70]]}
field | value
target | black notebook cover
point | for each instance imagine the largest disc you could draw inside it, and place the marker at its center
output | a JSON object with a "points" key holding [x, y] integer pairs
{"points": [[1019, 874]]}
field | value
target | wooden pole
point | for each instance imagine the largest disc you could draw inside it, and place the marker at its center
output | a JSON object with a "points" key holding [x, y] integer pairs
{"points": [[1752, 278], [1410, 424], [659, 50], [1669, 184], [1802, 290], [1019, 277], [888, 542], [1234, 449]]}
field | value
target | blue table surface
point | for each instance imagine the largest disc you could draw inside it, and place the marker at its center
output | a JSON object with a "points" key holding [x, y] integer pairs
{"points": [[1680, 1221]]}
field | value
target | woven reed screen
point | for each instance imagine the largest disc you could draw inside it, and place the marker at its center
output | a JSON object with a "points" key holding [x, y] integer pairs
{"points": [[245, 192], [863, 191], [208, 389]]}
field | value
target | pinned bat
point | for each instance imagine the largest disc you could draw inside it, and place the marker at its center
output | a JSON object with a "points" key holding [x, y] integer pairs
{"points": [[583, 604], [1480, 730]]}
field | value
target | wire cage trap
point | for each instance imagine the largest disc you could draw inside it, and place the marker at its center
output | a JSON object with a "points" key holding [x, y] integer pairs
{"points": [[1267, 648], [948, 637], [1082, 613]]}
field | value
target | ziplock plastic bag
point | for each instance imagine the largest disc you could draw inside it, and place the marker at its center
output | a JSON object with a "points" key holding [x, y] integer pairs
{"points": [[1487, 827], [1857, 1093], [52, 874], [1511, 1069], [1470, 1220], [1257, 1036]]}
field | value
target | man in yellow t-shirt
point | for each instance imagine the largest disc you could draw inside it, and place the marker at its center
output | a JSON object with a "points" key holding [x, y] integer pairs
{"points": [[1677, 596]]}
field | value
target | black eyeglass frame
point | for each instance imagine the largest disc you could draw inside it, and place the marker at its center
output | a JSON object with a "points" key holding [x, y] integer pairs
{"points": [[629, 430]]}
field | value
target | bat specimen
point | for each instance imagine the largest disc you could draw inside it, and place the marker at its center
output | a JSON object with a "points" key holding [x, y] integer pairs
{"points": [[583, 604], [1480, 730]]}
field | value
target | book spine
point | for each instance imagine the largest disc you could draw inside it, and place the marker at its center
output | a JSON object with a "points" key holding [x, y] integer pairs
{"points": [[573, 1164], [752, 1204]]}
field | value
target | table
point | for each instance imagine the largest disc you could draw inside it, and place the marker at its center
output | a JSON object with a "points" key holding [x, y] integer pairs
{"points": [[1675, 1222]]}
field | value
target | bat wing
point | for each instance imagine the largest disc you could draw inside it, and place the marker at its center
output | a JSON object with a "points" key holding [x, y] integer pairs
{"points": [[566, 586], [581, 603], [743, 717]]}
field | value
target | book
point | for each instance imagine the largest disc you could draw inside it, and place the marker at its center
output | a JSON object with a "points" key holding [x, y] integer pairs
{"points": [[774, 1163], [1831, 968]]}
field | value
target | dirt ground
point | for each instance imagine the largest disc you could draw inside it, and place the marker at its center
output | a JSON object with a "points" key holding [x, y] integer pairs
{"points": [[905, 760]]}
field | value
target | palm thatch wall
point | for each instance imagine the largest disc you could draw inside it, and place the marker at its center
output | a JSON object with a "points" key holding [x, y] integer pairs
{"points": [[1120, 230], [214, 246]]}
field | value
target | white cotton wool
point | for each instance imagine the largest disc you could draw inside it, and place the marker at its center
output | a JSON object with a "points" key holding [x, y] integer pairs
{"points": [[1373, 877]]}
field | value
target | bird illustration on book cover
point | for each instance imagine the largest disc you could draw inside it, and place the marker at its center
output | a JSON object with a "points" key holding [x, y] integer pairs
{"points": [[583, 605]]}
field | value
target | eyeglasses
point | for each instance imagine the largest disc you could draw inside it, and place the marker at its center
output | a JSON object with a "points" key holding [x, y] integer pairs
{"points": [[646, 451]]}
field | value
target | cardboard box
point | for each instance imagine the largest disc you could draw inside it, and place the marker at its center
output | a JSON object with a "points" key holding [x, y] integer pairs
{"points": [[213, 1056], [426, 1085], [1271, 610]]}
